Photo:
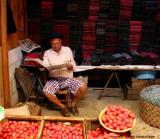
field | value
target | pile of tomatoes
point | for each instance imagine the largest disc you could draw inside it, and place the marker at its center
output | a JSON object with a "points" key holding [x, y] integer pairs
{"points": [[102, 133], [19, 130], [62, 131], [117, 118]]}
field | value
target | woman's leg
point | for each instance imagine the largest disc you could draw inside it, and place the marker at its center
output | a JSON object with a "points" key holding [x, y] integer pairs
{"points": [[78, 89], [79, 94], [54, 99], [50, 89]]}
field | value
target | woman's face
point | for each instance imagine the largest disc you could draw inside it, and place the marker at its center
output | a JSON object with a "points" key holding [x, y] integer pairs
{"points": [[56, 44]]}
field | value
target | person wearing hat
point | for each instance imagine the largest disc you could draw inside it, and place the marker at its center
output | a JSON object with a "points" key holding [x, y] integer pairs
{"points": [[63, 77]]}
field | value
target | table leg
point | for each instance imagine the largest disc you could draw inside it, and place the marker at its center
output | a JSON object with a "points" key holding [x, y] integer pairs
{"points": [[106, 85], [108, 81]]}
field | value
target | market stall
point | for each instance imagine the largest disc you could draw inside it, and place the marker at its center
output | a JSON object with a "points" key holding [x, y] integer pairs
{"points": [[108, 38], [43, 127]]}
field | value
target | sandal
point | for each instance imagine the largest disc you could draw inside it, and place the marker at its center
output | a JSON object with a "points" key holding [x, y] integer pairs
{"points": [[65, 112], [74, 110]]}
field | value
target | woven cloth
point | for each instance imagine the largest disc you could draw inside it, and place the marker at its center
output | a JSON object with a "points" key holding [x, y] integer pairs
{"points": [[151, 94]]}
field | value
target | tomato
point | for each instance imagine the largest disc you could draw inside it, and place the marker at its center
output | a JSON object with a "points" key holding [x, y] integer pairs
{"points": [[19, 129], [104, 119], [60, 130], [118, 118], [101, 133], [131, 115]]}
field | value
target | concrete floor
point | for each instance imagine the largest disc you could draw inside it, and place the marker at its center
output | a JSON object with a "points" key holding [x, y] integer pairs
{"points": [[90, 107]]}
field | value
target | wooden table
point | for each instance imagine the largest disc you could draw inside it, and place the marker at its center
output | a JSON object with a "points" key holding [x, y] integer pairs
{"points": [[114, 70], [119, 67]]}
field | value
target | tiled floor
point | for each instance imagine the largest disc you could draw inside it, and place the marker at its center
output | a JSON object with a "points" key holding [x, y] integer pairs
{"points": [[90, 106]]}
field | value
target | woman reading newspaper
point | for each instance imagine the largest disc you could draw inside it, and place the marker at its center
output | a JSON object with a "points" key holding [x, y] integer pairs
{"points": [[60, 63]]}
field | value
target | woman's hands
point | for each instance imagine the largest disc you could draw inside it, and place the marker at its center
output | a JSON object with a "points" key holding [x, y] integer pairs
{"points": [[69, 66]]}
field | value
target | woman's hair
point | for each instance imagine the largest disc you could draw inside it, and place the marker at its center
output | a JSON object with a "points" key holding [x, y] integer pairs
{"points": [[55, 35]]}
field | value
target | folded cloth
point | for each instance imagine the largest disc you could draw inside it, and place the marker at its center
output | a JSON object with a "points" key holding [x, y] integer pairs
{"points": [[88, 47]]}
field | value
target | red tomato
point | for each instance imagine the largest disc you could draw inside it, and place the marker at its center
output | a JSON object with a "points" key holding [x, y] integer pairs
{"points": [[59, 131], [117, 117]]}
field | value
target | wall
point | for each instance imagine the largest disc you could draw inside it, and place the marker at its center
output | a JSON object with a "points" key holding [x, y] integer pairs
{"points": [[9, 42], [15, 57], [1, 80], [1, 77], [4, 93], [19, 12]]}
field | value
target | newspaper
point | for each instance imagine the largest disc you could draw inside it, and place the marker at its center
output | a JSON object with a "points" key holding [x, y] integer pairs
{"points": [[27, 45], [49, 68], [84, 68]]}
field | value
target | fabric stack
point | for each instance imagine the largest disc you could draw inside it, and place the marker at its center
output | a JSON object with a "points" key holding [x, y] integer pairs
{"points": [[93, 10], [125, 9], [111, 35], [72, 9], [100, 33], [113, 11], [156, 47], [75, 33], [97, 25], [47, 9], [137, 10], [150, 9], [123, 35], [63, 27], [35, 30], [158, 12], [135, 35], [75, 38], [34, 9], [148, 33], [34, 14], [46, 29], [103, 9], [83, 9], [89, 36], [60, 9]]}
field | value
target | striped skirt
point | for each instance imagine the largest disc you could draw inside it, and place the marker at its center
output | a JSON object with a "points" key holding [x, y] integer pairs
{"points": [[55, 84]]}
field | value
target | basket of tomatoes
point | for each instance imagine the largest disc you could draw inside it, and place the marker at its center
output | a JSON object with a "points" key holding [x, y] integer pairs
{"points": [[63, 128], [94, 130], [16, 127], [117, 119]]}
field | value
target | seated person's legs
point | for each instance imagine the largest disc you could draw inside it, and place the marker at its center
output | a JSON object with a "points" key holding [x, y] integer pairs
{"points": [[78, 89], [50, 89]]}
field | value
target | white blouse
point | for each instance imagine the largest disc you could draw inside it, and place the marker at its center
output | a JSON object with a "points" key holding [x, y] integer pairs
{"points": [[52, 58]]}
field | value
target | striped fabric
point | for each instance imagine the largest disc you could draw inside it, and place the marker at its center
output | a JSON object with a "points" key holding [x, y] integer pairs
{"points": [[63, 27], [137, 10], [148, 33], [156, 47], [125, 9], [47, 9], [53, 86], [88, 25], [35, 31], [135, 35], [150, 9], [93, 10], [158, 12]]}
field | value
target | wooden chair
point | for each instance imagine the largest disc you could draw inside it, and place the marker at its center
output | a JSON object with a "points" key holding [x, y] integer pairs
{"points": [[64, 92], [26, 86]]}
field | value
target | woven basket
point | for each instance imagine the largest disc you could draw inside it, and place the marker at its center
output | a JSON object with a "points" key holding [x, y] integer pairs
{"points": [[139, 84], [150, 113], [34, 109], [113, 130]]}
